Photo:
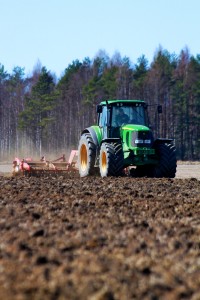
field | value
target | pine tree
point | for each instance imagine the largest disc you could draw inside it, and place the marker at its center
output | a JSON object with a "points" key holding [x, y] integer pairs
{"points": [[139, 78], [38, 112]]}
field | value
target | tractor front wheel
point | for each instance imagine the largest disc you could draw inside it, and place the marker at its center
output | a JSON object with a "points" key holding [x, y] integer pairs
{"points": [[167, 161], [111, 160], [86, 155]]}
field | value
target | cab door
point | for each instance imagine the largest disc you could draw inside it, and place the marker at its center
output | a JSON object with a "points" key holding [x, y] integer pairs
{"points": [[103, 122]]}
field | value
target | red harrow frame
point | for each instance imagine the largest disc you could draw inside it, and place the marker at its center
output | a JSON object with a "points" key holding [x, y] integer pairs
{"points": [[57, 166]]}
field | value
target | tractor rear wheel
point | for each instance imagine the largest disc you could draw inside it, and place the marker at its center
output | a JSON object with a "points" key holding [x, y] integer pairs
{"points": [[111, 160], [167, 161], [86, 155]]}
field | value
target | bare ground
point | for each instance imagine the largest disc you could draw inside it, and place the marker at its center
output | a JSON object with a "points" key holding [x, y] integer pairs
{"points": [[100, 239], [188, 170], [184, 169]]}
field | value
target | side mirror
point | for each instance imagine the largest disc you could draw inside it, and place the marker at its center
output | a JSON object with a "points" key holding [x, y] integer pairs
{"points": [[159, 108], [99, 108]]}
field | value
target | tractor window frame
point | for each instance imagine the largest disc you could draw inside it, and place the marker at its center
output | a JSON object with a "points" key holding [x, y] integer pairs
{"points": [[103, 117], [140, 108]]}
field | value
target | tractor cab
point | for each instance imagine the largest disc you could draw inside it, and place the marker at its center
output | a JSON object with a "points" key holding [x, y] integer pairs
{"points": [[113, 115]]}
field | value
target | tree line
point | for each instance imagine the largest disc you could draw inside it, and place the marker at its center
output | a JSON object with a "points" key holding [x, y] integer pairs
{"points": [[40, 114]]}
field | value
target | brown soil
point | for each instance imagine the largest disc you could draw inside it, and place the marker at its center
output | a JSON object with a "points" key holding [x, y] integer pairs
{"points": [[99, 239]]}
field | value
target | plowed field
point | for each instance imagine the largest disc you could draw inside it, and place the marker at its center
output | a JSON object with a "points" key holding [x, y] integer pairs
{"points": [[99, 239]]}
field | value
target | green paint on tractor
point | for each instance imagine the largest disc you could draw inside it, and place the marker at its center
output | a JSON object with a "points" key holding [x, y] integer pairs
{"points": [[123, 140]]}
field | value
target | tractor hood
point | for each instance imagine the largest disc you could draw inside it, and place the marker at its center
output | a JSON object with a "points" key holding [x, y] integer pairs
{"points": [[136, 136], [131, 127]]}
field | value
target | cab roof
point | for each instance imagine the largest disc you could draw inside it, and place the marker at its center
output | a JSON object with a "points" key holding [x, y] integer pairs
{"points": [[122, 101]]}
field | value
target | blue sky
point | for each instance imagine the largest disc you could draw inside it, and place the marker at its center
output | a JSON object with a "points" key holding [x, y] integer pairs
{"points": [[56, 32]]}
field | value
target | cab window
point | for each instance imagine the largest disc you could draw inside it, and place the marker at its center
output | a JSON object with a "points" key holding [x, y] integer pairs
{"points": [[103, 117]]}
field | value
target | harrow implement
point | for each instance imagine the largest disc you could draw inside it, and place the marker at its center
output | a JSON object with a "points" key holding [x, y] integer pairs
{"points": [[45, 167]]}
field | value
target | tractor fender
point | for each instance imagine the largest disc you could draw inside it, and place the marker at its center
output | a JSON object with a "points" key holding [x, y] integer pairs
{"points": [[95, 134]]}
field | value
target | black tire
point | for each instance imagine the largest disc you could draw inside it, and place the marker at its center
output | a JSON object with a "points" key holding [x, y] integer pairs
{"points": [[111, 160], [86, 155], [167, 161]]}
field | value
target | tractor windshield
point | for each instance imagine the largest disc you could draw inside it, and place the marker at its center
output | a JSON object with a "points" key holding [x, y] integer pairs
{"points": [[128, 115]]}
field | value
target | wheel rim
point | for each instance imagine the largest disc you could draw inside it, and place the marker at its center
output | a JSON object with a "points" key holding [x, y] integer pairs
{"points": [[83, 155], [103, 162]]}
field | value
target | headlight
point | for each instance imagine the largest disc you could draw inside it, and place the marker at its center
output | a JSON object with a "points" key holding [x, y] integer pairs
{"points": [[139, 141], [142, 141], [147, 141]]}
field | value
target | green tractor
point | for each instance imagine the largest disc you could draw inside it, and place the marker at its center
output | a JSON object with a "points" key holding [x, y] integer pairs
{"points": [[123, 143]]}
